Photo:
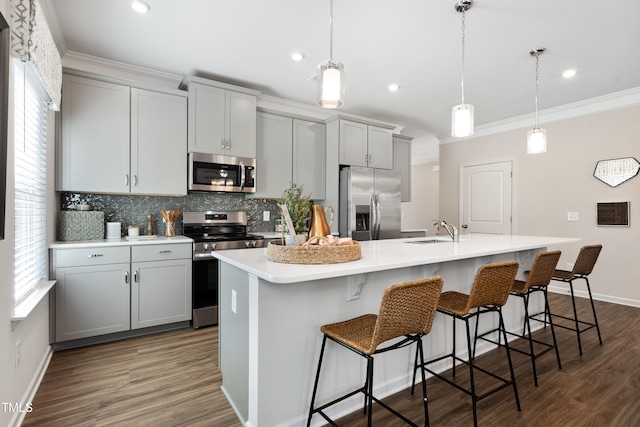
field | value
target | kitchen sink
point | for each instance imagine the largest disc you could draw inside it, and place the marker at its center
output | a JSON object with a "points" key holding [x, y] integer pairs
{"points": [[426, 241]]}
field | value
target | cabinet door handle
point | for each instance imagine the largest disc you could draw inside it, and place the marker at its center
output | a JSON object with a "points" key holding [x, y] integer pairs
{"points": [[135, 276], [228, 144], [126, 179], [135, 180], [222, 145], [95, 255], [164, 252], [126, 277]]}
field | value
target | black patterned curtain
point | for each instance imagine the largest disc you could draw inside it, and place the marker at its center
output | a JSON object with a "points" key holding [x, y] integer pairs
{"points": [[31, 41]]}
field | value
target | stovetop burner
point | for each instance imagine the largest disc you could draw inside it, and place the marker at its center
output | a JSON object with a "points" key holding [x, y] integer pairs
{"points": [[218, 230]]}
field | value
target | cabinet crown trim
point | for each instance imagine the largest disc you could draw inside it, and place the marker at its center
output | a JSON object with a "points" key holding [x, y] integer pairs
{"points": [[365, 121], [193, 79]]}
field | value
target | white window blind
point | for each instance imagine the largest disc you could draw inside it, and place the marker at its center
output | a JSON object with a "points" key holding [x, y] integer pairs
{"points": [[30, 179]]}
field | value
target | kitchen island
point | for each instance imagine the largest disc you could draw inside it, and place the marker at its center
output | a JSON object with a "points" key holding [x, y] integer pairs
{"points": [[271, 313]]}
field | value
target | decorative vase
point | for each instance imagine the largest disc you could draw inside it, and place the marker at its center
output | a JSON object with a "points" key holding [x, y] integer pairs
{"points": [[170, 229]]}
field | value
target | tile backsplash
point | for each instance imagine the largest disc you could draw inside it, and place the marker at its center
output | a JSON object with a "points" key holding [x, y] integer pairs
{"points": [[133, 210]]}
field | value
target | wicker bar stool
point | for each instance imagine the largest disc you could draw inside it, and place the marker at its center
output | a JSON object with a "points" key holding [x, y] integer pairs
{"points": [[582, 268], [407, 310], [488, 294], [538, 279]]}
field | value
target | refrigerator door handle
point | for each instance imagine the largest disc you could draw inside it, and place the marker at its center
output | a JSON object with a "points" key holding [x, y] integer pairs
{"points": [[374, 216], [376, 227]]}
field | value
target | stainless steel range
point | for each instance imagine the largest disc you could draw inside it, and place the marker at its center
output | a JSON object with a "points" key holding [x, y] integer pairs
{"points": [[213, 231]]}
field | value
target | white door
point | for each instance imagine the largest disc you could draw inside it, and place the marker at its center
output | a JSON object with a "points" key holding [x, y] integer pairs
{"points": [[486, 198]]}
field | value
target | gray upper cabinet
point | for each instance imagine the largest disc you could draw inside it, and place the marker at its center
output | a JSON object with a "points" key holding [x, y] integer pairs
{"points": [[118, 139], [309, 157], [402, 163], [221, 121], [158, 141], [290, 150], [275, 155], [365, 145], [94, 151]]}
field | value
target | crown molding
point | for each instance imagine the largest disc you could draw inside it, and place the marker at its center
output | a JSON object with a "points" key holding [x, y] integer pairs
{"points": [[87, 64], [613, 101]]}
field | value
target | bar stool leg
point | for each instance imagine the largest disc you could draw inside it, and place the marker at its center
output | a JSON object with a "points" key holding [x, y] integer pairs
{"points": [[506, 346], [454, 345], [593, 308], [575, 316], [525, 298], [369, 396], [315, 385], [553, 332], [474, 399], [425, 400]]}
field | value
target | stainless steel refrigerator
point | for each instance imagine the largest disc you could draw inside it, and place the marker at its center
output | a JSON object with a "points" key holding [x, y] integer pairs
{"points": [[369, 203]]}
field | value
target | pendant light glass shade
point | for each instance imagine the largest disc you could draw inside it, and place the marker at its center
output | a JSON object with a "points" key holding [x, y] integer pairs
{"points": [[462, 114], [536, 137], [462, 120], [536, 141], [330, 91], [330, 78]]}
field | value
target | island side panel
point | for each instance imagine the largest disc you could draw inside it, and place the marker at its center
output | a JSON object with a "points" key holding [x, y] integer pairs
{"points": [[234, 337]]}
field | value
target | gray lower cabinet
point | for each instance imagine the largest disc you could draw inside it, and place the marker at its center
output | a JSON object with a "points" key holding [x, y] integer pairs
{"points": [[161, 288], [103, 290]]}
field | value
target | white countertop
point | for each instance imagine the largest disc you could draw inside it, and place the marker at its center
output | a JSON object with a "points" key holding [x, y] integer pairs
{"points": [[124, 241], [381, 255]]}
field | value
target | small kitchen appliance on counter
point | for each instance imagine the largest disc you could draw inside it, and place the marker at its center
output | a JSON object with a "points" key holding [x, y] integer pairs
{"points": [[213, 231]]}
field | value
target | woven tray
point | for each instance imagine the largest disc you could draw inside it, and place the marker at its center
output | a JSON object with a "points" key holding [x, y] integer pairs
{"points": [[312, 254]]}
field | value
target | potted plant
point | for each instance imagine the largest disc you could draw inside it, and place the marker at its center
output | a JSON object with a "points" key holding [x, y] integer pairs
{"points": [[299, 208]]}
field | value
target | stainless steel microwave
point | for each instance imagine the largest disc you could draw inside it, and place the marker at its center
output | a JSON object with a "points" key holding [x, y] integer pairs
{"points": [[211, 172]]}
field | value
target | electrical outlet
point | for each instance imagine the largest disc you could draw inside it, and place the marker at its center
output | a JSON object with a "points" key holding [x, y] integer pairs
{"points": [[18, 352], [266, 215], [572, 216], [234, 300]]}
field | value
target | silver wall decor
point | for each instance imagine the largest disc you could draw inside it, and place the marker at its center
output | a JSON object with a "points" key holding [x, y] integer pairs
{"points": [[616, 171]]}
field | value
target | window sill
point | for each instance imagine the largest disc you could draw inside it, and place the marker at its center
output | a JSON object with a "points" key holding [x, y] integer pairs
{"points": [[26, 306]]}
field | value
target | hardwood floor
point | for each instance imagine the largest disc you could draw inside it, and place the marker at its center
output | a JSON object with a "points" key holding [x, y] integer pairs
{"points": [[170, 379], [166, 379]]}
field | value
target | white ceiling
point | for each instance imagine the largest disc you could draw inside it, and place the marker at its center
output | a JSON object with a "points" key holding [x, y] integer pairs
{"points": [[414, 43]]}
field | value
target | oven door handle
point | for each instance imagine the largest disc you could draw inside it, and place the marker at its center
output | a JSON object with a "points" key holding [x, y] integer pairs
{"points": [[242, 175], [197, 257]]}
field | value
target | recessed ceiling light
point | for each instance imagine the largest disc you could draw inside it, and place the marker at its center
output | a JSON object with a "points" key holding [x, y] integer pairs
{"points": [[297, 56], [568, 74], [393, 87], [140, 6]]}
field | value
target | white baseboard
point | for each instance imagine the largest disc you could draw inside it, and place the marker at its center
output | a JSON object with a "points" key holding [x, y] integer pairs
{"points": [[34, 384], [597, 297]]}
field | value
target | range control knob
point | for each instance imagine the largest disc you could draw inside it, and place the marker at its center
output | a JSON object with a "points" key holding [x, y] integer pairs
{"points": [[247, 244], [253, 244], [205, 246]]}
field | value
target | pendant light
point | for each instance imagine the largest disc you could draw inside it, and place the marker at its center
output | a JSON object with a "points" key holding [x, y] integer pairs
{"points": [[462, 114], [330, 90], [536, 137]]}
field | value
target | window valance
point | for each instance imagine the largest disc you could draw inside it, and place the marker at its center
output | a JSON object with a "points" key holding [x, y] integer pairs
{"points": [[32, 41]]}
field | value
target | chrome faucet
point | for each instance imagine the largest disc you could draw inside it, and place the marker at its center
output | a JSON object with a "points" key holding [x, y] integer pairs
{"points": [[452, 230]]}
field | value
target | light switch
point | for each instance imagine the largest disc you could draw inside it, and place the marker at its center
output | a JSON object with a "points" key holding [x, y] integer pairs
{"points": [[572, 216]]}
